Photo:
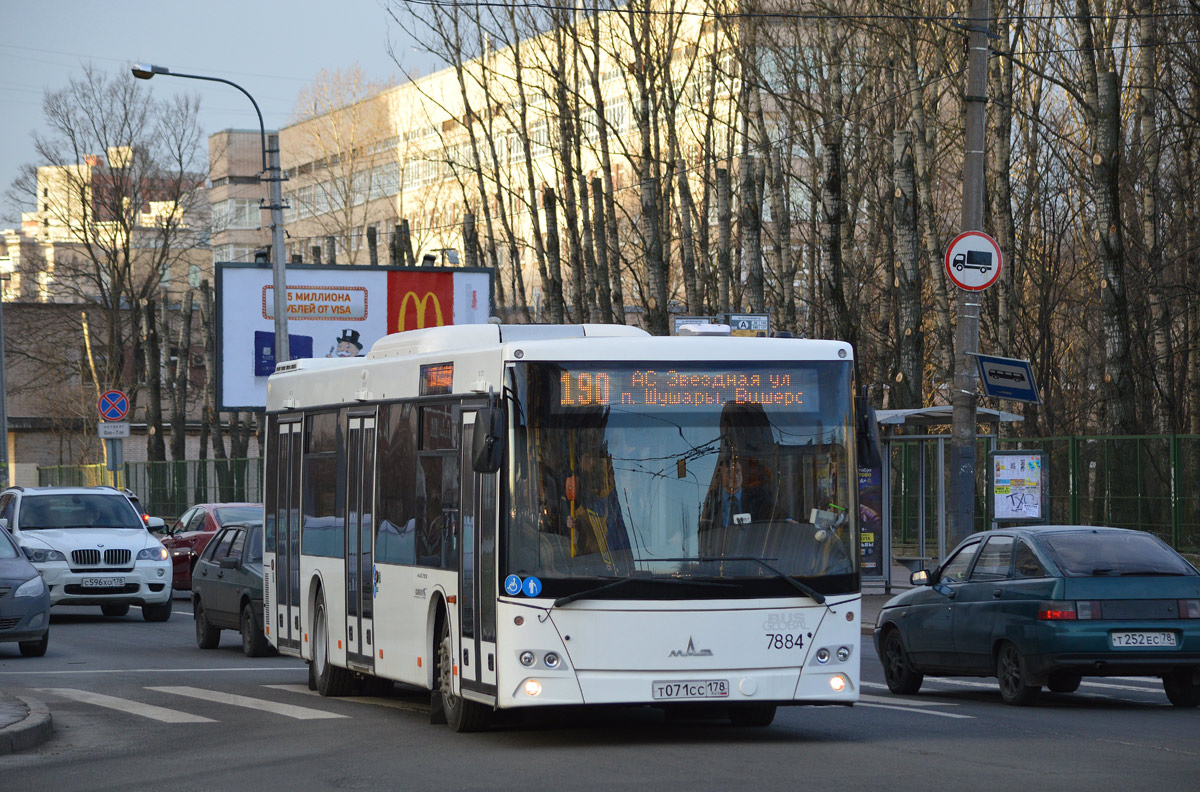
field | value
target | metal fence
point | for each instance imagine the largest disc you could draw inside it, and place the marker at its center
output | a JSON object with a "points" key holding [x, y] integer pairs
{"points": [[167, 489], [1151, 483]]}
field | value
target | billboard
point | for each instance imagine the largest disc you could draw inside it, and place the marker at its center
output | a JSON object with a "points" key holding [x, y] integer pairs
{"points": [[333, 311]]}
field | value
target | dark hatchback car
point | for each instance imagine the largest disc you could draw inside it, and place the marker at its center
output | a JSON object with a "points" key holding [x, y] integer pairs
{"points": [[1047, 606], [227, 589], [24, 600]]}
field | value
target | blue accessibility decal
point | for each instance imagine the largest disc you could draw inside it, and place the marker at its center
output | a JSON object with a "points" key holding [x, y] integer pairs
{"points": [[532, 587], [512, 585]]}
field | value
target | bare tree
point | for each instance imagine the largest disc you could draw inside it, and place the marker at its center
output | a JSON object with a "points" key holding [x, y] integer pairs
{"points": [[119, 197]]}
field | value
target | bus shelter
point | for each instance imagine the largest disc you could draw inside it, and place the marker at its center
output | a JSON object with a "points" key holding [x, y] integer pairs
{"points": [[928, 429]]}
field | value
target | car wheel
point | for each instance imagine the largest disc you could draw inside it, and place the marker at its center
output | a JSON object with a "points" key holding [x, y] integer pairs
{"points": [[897, 670], [207, 636], [461, 715], [254, 643], [331, 681], [114, 608], [1010, 672], [1181, 687], [752, 715], [1064, 682], [157, 613], [35, 648]]}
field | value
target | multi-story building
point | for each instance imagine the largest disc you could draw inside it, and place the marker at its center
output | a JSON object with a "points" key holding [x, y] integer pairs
{"points": [[240, 227], [107, 238]]}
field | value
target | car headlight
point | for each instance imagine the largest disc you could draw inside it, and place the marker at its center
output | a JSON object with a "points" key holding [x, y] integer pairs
{"points": [[153, 554], [31, 588], [39, 555]]}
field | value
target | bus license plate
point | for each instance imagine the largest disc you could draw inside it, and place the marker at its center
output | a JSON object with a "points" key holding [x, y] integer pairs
{"points": [[102, 582], [1143, 640], [690, 689]]}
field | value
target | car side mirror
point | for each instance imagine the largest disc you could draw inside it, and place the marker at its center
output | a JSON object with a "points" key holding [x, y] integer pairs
{"points": [[919, 578], [229, 562], [156, 525]]}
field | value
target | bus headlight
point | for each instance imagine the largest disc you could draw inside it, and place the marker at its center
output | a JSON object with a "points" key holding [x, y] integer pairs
{"points": [[837, 682], [532, 687], [843, 653], [527, 658], [822, 655], [552, 660]]}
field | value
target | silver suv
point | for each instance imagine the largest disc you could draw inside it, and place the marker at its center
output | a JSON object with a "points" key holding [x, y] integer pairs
{"points": [[92, 547]]}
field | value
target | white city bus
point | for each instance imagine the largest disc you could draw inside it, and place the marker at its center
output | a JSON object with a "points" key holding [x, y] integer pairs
{"points": [[528, 515]]}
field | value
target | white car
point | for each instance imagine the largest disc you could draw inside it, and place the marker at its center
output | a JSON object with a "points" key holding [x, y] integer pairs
{"points": [[92, 547]]}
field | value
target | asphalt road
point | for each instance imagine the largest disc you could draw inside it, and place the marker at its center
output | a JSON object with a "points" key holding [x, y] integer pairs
{"points": [[138, 706]]}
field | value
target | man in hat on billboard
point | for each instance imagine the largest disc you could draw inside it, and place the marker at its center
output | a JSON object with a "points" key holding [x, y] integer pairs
{"points": [[348, 345]]}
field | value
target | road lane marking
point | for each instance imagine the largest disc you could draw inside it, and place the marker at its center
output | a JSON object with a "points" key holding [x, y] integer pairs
{"points": [[915, 709], [380, 702], [125, 705], [890, 700], [289, 710]]}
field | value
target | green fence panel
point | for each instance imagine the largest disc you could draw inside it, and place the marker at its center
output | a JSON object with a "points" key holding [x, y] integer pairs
{"points": [[167, 489], [1148, 483]]}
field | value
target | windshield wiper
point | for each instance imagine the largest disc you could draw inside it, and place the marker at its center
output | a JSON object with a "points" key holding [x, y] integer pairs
{"points": [[643, 577], [796, 584]]}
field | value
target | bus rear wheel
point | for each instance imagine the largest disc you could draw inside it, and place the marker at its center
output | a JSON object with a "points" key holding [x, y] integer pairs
{"points": [[461, 715], [331, 680]]}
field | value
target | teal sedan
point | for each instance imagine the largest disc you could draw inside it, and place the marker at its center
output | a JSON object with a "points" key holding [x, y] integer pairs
{"points": [[1045, 606]]}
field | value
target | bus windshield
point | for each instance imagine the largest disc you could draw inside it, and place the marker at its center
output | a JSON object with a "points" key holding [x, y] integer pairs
{"points": [[681, 480]]}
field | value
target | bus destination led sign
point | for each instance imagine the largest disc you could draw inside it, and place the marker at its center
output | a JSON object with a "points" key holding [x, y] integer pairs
{"points": [[794, 389]]}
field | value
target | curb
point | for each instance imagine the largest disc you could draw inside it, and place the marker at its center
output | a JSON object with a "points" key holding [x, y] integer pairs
{"points": [[32, 731]]}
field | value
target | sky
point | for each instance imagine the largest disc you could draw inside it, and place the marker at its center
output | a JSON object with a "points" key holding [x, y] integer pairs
{"points": [[272, 48]]}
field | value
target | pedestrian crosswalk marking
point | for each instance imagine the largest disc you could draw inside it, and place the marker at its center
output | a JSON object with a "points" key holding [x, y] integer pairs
{"points": [[288, 710], [407, 706], [126, 705]]}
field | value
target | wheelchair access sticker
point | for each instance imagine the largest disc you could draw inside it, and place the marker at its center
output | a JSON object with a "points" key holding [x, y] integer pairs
{"points": [[530, 586]]}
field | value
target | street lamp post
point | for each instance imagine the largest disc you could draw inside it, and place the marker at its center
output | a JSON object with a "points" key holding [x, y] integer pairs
{"points": [[274, 179]]}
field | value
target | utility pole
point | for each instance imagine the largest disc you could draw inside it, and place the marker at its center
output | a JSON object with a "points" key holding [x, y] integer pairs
{"points": [[962, 398]]}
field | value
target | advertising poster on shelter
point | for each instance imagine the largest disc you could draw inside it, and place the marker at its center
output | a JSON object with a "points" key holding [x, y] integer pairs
{"points": [[1016, 486], [333, 311]]}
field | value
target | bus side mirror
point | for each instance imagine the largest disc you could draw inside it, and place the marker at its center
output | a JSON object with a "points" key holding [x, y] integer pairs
{"points": [[487, 447], [870, 454]]}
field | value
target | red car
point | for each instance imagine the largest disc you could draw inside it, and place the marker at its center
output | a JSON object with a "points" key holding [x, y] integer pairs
{"points": [[190, 534]]}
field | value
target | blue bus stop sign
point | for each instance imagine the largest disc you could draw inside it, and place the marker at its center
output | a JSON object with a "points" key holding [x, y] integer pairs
{"points": [[1008, 378]]}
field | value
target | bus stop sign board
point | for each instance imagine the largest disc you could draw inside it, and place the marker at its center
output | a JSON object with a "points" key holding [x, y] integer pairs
{"points": [[1008, 378]]}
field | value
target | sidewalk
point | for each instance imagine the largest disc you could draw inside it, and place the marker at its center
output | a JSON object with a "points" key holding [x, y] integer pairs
{"points": [[24, 724]]}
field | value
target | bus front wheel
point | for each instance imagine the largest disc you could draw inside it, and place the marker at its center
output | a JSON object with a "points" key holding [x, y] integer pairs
{"points": [[461, 715]]}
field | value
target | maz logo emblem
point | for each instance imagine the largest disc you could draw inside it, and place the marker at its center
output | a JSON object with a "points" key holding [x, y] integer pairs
{"points": [[691, 651]]}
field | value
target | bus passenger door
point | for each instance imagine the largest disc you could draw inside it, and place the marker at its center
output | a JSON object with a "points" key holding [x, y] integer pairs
{"points": [[360, 569], [477, 570], [284, 607]]}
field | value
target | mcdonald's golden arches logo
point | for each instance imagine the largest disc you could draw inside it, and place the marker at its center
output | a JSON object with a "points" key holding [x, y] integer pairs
{"points": [[421, 306]]}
